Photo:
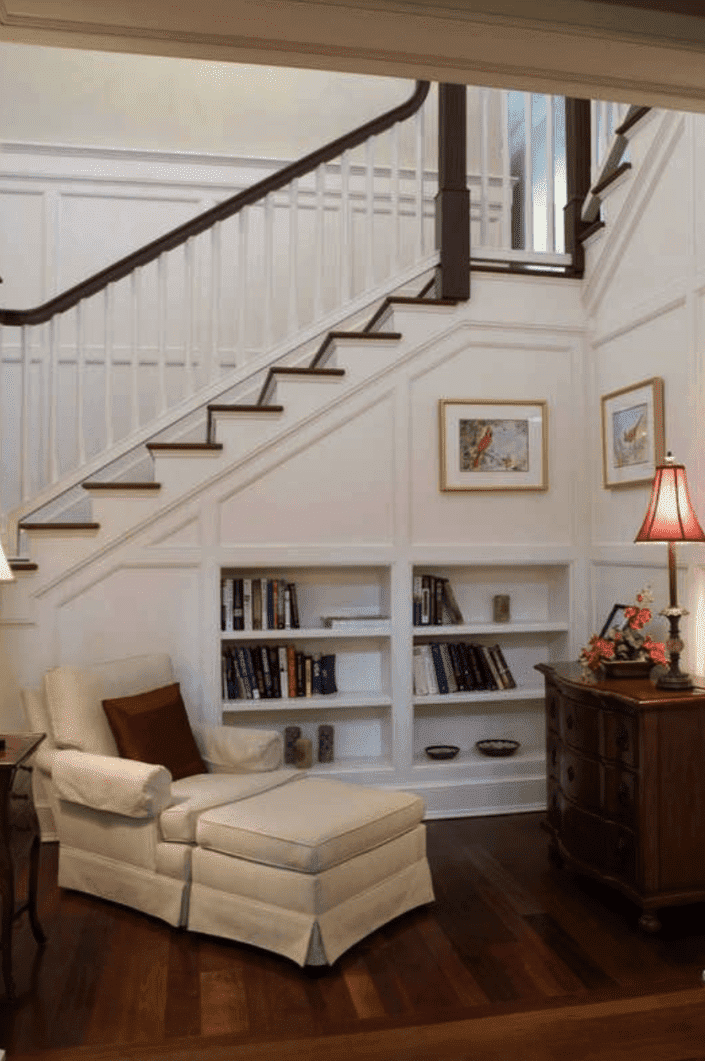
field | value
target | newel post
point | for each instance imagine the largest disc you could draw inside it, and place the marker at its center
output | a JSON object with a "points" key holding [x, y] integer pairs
{"points": [[453, 198], [577, 147]]}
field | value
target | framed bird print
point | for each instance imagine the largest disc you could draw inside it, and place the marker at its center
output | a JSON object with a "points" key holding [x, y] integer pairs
{"points": [[493, 445], [632, 433]]}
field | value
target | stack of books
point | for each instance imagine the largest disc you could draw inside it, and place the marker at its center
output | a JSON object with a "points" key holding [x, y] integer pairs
{"points": [[258, 604], [272, 672], [453, 666], [434, 602]]}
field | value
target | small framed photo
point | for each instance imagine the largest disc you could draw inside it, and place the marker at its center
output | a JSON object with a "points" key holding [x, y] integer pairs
{"points": [[493, 445], [614, 619], [632, 433]]}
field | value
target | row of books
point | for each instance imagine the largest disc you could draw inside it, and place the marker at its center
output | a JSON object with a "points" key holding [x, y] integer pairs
{"points": [[434, 602], [258, 604], [269, 672], [451, 667]]}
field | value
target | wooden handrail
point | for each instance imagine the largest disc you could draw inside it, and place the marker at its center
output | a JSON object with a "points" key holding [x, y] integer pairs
{"points": [[177, 236]]}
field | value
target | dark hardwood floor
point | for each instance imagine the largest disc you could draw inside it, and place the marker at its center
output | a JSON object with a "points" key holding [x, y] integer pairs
{"points": [[513, 950]]}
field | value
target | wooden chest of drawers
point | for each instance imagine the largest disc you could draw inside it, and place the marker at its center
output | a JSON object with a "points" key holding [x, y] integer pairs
{"points": [[625, 768]]}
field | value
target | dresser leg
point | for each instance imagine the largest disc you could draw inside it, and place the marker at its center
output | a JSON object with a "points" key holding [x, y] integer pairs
{"points": [[649, 922], [37, 930]]}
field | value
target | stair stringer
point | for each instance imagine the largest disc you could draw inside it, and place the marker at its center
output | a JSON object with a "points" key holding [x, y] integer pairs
{"points": [[604, 255], [265, 455]]}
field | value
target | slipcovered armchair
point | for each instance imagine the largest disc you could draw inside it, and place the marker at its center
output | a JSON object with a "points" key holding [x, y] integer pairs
{"points": [[228, 841]]}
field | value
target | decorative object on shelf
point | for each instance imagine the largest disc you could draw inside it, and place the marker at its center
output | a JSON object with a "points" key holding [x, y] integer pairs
{"points": [[303, 752], [442, 751], [622, 649], [291, 735], [670, 518], [493, 445], [500, 608], [325, 743], [632, 433], [497, 748]]}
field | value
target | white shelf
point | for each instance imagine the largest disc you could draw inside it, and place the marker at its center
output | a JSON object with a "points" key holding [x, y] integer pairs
{"points": [[470, 629], [481, 696], [313, 633], [522, 758], [294, 704]]}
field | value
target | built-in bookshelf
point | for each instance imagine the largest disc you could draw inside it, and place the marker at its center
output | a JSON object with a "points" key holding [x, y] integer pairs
{"points": [[384, 708]]}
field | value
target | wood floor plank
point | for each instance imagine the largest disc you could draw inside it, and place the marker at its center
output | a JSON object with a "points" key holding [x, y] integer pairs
{"points": [[466, 987], [223, 1002], [361, 986], [182, 1013]]}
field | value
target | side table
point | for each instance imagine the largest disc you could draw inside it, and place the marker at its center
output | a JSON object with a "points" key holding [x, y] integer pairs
{"points": [[19, 842]]}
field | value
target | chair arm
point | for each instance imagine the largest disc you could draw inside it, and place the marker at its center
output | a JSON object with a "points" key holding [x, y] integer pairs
{"points": [[107, 783], [239, 750]]}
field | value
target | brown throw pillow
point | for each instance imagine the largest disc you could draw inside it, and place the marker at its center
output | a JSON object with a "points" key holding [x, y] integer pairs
{"points": [[153, 727]]}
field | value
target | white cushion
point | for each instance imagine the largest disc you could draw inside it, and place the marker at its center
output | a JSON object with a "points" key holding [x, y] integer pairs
{"points": [[75, 698], [37, 712], [193, 795], [236, 749], [319, 824], [121, 786]]}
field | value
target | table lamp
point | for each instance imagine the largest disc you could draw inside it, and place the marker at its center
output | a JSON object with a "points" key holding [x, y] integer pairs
{"points": [[670, 518]]}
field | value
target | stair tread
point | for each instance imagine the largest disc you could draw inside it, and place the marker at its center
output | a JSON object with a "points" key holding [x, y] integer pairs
{"points": [[216, 446], [23, 565], [406, 300], [88, 485], [610, 178], [286, 370], [246, 408], [58, 526]]}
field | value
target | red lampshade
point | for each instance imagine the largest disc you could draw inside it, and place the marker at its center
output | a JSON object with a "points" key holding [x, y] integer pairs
{"points": [[670, 516]]}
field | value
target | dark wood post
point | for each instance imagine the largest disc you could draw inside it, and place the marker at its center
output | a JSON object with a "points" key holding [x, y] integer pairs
{"points": [[453, 199], [577, 149]]}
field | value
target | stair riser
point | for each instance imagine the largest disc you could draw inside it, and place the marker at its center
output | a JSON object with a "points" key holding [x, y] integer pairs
{"points": [[423, 322], [362, 360], [240, 435], [55, 552], [182, 472], [304, 395], [116, 513]]}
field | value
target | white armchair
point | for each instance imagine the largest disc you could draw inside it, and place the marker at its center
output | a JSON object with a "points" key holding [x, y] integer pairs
{"points": [[247, 849]]}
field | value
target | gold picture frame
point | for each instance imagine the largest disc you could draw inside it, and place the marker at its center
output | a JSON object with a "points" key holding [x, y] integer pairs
{"points": [[633, 440], [493, 444]]}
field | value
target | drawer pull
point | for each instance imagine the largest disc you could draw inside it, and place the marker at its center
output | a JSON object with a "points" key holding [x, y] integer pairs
{"points": [[569, 722], [624, 794], [571, 774]]}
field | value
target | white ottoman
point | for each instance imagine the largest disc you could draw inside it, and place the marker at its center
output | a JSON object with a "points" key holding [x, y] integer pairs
{"points": [[309, 868]]}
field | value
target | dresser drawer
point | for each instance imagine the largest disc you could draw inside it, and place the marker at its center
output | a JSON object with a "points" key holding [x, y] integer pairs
{"points": [[620, 738], [619, 794], [608, 847], [580, 726], [553, 707], [580, 780], [553, 754]]}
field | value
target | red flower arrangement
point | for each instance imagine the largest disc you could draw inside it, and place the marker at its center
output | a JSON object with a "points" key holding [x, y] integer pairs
{"points": [[628, 642]]}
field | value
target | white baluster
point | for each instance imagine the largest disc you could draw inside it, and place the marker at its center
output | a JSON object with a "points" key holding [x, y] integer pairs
{"points": [[108, 365], [162, 314], [241, 293], [135, 347], [369, 213], [528, 177], [420, 127], [80, 378], [190, 282], [53, 399], [318, 243], [293, 311], [484, 167], [24, 414], [506, 239], [267, 331], [394, 202], [3, 419], [212, 351], [345, 230], [550, 177]]}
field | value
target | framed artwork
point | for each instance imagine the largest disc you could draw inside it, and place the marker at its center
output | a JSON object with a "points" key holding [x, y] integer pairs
{"points": [[493, 445], [632, 433]]}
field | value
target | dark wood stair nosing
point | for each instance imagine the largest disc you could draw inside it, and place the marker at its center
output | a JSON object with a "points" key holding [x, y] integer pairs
{"points": [[363, 335], [590, 230], [22, 565], [628, 123], [184, 447], [23, 526], [286, 370], [252, 408], [406, 300], [120, 486]]}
